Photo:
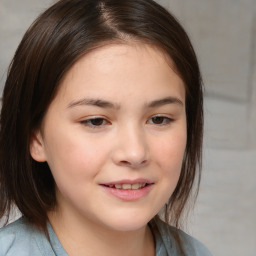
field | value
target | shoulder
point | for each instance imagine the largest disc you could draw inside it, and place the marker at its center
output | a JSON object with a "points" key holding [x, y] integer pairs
{"points": [[192, 244], [23, 239], [170, 237]]}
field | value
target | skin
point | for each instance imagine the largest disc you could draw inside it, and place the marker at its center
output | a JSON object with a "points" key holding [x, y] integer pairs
{"points": [[88, 142]]}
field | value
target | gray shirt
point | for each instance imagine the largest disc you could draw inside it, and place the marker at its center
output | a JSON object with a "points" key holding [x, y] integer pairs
{"points": [[22, 239]]}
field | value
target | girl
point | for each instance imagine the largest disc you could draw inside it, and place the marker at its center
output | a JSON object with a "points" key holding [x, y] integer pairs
{"points": [[101, 128]]}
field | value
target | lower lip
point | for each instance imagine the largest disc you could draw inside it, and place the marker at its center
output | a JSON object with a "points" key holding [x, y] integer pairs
{"points": [[129, 194]]}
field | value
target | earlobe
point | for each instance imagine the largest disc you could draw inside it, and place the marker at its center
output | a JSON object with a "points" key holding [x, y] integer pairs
{"points": [[37, 151]]}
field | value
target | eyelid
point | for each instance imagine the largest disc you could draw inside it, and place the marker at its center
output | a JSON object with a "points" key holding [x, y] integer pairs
{"points": [[167, 119], [86, 121]]}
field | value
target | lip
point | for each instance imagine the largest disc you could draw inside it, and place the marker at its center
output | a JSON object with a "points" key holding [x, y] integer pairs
{"points": [[127, 181], [128, 194]]}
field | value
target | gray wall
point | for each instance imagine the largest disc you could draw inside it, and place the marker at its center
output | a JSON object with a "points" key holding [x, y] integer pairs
{"points": [[224, 35]]}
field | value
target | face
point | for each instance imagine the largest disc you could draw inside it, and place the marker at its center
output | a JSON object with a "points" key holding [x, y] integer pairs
{"points": [[114, 136]]}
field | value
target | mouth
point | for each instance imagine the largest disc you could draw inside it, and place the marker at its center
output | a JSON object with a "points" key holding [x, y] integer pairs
{"points": [[128, 190], [127, 186]]}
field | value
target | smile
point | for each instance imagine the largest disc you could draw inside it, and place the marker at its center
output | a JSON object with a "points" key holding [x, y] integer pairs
{"points": [[128, 190], [128, 186]]}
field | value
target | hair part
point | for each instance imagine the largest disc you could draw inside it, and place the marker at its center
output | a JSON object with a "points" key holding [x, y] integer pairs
{"points": [[55, 41]]}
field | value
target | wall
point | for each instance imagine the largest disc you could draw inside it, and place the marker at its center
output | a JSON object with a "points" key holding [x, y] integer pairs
{"points": [[224, 35]]}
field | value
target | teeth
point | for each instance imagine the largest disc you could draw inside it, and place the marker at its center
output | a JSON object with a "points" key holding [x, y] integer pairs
{"points": [[136, 186], [128, 186]]}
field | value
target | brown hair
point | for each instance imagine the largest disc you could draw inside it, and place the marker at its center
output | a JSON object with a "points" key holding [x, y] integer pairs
{"points": [[59, 37]]}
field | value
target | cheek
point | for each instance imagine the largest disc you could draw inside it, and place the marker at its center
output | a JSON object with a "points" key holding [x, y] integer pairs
{"points": [[74, 157], [170, 153], [168, 156]]}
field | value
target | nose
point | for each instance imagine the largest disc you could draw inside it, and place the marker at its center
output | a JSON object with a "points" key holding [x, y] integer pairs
{"points": [[131, 149]]}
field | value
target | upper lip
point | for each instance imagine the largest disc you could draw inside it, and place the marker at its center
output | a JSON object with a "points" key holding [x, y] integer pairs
{"points": [[128, 181]]}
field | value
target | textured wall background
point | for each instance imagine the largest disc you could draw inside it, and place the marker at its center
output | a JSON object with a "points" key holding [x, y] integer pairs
{"points": [[224, 35]]}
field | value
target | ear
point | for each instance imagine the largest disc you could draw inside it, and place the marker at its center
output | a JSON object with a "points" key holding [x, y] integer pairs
{"points": [[37, 150]]}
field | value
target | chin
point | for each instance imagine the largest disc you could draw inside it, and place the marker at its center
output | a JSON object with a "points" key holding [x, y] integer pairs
{"points": [[129, 223]]}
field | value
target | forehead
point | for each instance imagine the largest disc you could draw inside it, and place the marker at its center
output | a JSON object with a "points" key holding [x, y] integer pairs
{"points": [[130, 49], [120, 66]]}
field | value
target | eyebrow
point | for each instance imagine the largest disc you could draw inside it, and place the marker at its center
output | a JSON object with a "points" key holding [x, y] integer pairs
{"points": [[106, 104], [94, 102], [164, 101]]}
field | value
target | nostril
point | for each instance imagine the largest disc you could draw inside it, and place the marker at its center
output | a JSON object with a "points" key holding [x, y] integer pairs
{"points": [[125, 162], [130, 155], [133, 164]]}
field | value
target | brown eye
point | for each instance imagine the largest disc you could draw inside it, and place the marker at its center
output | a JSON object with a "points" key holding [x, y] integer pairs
{"points": [[94, 122], [160, 120], [97, 121]]}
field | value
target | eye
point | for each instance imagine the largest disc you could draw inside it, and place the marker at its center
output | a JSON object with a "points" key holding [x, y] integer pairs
{"points": [[160, 120], [96, 122]]}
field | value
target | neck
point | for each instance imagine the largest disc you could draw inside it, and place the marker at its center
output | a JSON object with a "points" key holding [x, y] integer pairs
{"points": [[81, 237]]}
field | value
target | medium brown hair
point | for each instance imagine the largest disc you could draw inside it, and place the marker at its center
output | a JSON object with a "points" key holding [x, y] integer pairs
{"points": [[55, 41]]}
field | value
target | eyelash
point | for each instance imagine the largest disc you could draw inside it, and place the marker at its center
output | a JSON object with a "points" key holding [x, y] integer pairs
{"points": [[89, 122], [165, 120], [102, 121]]}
